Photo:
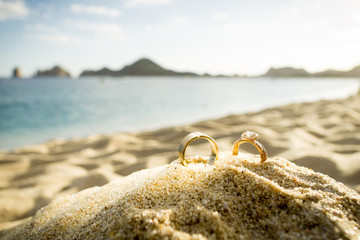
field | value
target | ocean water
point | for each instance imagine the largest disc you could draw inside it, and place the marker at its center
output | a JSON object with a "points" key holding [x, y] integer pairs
{"points": [[37, 110]]}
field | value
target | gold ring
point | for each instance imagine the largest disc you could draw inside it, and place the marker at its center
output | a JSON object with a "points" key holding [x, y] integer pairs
{"points": [[250, 137], [193, 136]]}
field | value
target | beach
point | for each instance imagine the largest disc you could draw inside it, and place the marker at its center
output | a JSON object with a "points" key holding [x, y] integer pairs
{"points": [[322, 135]]}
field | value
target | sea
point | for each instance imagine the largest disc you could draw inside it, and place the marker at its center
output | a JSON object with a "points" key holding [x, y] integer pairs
{"points": [[37, 110]]}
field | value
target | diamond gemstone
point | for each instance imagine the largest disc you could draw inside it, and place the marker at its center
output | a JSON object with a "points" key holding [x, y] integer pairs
{"points": [[249, 135]]}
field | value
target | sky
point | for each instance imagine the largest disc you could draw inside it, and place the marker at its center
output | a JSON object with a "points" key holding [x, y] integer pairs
{"points": [[202, 36]]}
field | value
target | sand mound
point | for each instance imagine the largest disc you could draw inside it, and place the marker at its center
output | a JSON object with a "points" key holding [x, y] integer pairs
{"points": [[236, 198]]}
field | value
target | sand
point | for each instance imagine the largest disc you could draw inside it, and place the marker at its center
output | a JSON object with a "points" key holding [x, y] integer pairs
{"points": [[323, 136], [236, 198]]}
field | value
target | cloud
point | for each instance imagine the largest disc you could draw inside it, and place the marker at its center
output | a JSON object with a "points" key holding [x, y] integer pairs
{"points": [[99, 33], [180, 20], [135, 3], [39, 28], [43, 10], [221, 16], [310, 3], [238, 27], [58, 38], [47, 16], [95, 10], [103, 30], [49, 34], [156, 28], [174, 23], [12, 10], [356, 17]]}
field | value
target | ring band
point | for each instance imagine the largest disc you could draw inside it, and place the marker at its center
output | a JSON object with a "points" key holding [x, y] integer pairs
{"points": [[193, 136], [250, 137]]}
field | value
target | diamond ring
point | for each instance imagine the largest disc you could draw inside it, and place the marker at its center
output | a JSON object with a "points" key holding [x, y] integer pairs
{"points": [[250, 137], [193, 136]]}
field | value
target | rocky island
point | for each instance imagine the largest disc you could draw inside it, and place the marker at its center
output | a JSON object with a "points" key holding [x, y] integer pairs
{"points": [[353, 73], [286, 72], [56, 71], [299, 72], [16, 73]]}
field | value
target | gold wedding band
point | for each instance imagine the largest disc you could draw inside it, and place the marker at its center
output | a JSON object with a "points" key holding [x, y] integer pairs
{"points": [[193, 136], [250, 137]]}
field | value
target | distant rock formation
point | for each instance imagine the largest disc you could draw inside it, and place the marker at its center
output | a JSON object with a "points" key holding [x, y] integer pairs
{"points": [[286, 72], [54, 72], [16, 73], [299, 72], [142, 67], [145, 67], [101, 72], [353, 73]]}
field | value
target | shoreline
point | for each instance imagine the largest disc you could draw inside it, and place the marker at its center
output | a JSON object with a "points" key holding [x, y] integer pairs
{"points": [[322, 135], [173, 125], [118, 116]]}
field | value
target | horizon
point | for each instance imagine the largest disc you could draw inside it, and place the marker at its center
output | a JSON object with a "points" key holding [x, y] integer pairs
{"points": [[237, 38], [147, 58]]}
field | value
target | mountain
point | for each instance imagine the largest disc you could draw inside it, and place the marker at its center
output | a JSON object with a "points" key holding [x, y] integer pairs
{"points": [[145, 67], [101, 72], [142, 67], [56, 71], [299, 72], [286, 72], [353, 73], [330, 73]]}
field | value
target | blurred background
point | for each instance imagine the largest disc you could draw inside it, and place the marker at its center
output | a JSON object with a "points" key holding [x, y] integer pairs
{"points": [[94, 90], [216, 37], [44, 40]]}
